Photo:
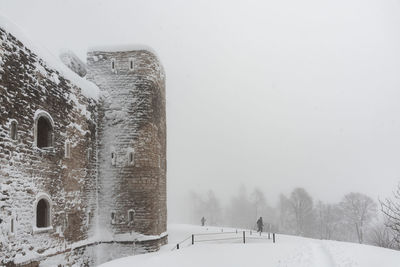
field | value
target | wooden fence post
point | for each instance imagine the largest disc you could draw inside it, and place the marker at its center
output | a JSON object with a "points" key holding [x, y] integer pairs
{"points": [[177, 246], [192, 239], [273, 237], [244, 237]]}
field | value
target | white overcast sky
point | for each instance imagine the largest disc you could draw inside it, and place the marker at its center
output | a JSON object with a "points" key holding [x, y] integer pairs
{"points": [[274, 94]]}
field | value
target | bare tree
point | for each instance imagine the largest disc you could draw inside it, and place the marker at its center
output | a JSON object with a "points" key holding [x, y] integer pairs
{"points": [[197, 207], [213, 209], [359, 210], [262, 209], [302, 205], [391, 209], [382, 236], [239, 211], [259, 202], [329, 219], [286, 218]]}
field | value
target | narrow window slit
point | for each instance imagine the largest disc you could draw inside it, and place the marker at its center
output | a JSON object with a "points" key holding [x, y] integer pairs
{"points": [[113, 159], [113, 217], [13, 130], [131, 158], [112, 64], [89, 153], [67, 149], [131, 64], [12, 226]]}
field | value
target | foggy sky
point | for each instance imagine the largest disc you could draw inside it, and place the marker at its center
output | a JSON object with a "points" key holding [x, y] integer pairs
{"points": [[274, 94]]}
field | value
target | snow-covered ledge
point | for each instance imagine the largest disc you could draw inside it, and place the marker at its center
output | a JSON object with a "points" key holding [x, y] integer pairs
{"points": [[104, 235], [37, 230]]}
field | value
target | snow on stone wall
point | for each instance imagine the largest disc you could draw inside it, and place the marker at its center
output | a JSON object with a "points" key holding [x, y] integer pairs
{"points": [[30, 88], [73, 62], [131, 121], [87, 88], [74, 172]]}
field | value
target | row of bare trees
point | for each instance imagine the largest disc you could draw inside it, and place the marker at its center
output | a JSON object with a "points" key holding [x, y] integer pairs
{"points": [[346, 220], [355, 218], [242, 210]]}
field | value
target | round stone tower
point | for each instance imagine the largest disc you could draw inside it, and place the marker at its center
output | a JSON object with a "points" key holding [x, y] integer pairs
{"points": [[131, 141]]}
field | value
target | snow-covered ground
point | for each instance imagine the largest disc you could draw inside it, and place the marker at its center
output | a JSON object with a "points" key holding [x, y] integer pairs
{"points": [[288, 251]]}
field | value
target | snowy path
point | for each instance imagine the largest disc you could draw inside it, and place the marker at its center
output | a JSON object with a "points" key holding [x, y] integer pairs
{"points": [[322, 256], [309, 253], [288, 251]]}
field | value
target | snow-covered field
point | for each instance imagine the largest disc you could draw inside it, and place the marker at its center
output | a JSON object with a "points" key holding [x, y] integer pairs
{"points": [[288, 251]]}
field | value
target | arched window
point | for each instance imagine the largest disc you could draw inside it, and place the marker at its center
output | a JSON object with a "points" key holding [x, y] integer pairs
{"points": [[44, 133], [131, 216], [43, 213], [13, 130], [43, 129]]}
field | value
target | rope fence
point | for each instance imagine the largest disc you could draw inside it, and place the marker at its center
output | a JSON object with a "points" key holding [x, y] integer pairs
{"points": [[219, 239], [241, 235]]}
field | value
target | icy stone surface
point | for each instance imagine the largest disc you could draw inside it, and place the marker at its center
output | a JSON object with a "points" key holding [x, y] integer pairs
{"points": [[34, 84], [73, 62], [131, 118]]}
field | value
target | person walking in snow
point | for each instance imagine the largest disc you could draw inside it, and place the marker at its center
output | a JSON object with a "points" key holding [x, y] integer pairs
{"points": [[260, 225], [203, 221]]}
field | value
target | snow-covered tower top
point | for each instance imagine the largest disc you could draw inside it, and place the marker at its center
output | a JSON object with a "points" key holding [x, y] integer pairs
{"points": [[126, 60]]}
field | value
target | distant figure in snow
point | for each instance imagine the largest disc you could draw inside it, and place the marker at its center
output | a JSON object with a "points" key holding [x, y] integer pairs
{"points": [[260, 225], [203, 221]]}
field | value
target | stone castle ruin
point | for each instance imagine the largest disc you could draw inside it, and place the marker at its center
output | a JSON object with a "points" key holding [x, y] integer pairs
{"points": [[82, 161]]}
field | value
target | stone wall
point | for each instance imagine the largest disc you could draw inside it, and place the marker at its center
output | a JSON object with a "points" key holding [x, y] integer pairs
{"points": [[84, 188], [29, 88], [98, 253], [131, 120]]}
